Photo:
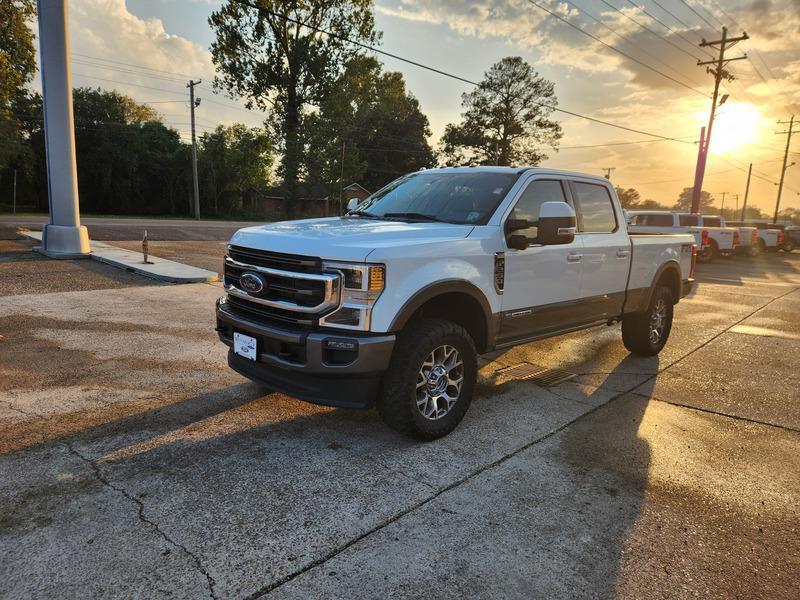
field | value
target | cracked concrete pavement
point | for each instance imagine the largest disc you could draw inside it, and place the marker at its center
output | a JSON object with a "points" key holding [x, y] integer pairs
{"points": [[134, 463]]}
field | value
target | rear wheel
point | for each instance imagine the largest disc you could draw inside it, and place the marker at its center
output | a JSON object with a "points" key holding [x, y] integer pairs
{"points": [[646, 333], [754, 249], [430, 381], [706, 255]]}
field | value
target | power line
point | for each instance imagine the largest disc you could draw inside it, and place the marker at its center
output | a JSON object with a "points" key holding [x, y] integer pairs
{"points": [[614, 48], [627, 39], [702, 18], [449, 75]]}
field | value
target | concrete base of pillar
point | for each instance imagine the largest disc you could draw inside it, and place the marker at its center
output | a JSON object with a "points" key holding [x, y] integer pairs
{"points": [[59, 241]]}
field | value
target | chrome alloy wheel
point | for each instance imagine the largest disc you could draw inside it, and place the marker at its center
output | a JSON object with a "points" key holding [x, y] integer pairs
{"points": [[658, 320], [439, 382]]}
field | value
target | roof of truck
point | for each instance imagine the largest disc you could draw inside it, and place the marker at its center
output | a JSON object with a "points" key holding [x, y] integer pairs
{"points": [[513, 170]]}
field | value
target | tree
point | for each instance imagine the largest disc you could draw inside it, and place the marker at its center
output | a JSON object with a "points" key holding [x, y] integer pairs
{"points": [[505, 121], [369, 130], [684, 202], [628, 198], [232, 161], [17, 68], [264, 56], [651, 205]]}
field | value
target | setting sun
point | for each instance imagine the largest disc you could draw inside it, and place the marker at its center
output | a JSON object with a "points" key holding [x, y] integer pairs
{"points": [[735, 125]]}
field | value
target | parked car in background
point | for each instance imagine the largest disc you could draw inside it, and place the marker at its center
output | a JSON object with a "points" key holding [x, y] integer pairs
{"points": [[770, 239], [664, 222], [745, 238], [391, 304], [791, 237]]}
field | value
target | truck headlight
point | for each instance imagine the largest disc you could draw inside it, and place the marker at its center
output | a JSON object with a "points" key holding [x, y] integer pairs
{"points": [[362, 284]]}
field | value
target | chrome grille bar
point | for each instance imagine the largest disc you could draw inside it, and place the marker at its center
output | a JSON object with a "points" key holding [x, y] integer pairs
{"points": [[330, 281]]}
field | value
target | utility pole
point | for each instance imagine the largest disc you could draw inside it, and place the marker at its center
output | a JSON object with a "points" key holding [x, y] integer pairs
{"points": [[737, 205], [746, 192], [719, 73], [608, 172], [194, 103], [722, 210], [788, 135]]}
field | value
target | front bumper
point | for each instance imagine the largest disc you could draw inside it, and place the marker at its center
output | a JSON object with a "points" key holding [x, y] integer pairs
{"points": [[335, 369]]}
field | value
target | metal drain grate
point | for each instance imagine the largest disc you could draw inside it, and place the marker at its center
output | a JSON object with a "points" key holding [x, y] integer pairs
{"points": [[535, 373]]}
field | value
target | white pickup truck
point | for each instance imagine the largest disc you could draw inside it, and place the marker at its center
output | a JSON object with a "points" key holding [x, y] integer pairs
{"points": [[392, 303], [770, 239], [747, 240], [711, 241]]}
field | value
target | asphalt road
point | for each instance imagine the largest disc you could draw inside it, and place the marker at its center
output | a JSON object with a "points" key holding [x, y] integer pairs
{"points": [[134, 463]]}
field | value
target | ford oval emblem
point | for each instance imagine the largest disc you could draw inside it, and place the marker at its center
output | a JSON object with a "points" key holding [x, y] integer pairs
{"points": [[252, 283]]}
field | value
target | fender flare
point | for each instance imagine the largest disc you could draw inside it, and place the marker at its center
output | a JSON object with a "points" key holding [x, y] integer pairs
{"points": [[439, 288], [670, 265]]}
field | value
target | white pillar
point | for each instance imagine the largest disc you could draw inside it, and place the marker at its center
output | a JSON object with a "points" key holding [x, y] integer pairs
{"points": [[63, 237]]}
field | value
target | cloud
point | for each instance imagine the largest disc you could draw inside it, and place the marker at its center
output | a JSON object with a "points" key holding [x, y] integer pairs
{"points": [[114, 49]]}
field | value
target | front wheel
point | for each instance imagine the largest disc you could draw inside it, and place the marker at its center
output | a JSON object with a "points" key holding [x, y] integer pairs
{"points": [[788, 245], [646, 333], [430, 381]]}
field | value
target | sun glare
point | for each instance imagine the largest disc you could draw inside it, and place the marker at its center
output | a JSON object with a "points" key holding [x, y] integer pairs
{"points": [[734, 126]]}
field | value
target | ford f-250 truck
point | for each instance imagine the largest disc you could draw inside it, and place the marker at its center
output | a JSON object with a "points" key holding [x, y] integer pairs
{"points": [[391, 304]]}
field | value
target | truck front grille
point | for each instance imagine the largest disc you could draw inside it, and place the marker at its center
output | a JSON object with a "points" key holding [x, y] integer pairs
{"points": [[294, 289], [276, 260]]}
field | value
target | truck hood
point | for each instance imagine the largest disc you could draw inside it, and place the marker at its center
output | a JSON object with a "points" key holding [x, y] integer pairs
{"points": [[344, 238]]}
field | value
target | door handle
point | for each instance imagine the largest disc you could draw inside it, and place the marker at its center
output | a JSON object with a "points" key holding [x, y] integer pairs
{"points": [[573, 257], [623, 253]]}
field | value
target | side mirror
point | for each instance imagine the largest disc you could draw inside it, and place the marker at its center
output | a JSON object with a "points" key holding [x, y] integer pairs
{"points": [[517, 242], [556, 224], [352, 204]]}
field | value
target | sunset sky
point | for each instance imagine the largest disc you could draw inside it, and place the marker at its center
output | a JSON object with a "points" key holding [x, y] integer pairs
{"points": [[148, 48]]}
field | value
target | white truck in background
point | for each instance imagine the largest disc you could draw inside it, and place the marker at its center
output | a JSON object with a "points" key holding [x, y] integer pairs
{"points": [[769, 238], [747, 241], [666, 222], [722, 240], [391, 304]]}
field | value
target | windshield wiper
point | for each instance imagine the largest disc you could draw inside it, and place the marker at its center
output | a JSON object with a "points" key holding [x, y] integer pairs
{"points": [[413, 216], [359, 213]]}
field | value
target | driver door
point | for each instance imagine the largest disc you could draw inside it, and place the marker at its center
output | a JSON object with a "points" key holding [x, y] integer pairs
{"points": [[542, 283]]}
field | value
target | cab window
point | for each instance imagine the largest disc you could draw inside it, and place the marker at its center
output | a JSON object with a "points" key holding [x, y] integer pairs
{"points": [[688, 220], [712, 222], [652, 220], [595, 208], [527, 207]]}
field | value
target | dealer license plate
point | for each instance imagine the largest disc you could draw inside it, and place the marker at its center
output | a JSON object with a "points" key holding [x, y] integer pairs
{"points": [[244, 345]]}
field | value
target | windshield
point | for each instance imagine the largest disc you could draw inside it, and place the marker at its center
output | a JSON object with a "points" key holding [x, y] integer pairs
{"points": [[465, 198]]}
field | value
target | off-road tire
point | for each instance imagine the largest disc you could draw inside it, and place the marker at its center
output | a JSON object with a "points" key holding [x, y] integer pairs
{"points": [[397, 402], [636, 327], [789, 246]]}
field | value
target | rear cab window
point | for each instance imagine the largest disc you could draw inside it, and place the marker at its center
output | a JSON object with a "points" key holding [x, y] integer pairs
{"points": [[595, 208], [654, 220]]}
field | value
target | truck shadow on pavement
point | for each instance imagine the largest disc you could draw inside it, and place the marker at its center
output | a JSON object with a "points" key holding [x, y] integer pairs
{"points": [[282, 466]]}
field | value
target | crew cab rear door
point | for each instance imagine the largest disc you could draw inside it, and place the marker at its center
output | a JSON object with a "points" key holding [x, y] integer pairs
{"points": [[542, 283], [606, 249]]}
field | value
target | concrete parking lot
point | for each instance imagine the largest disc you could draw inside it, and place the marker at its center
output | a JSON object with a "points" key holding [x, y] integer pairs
{"points": [[134, 463]]}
